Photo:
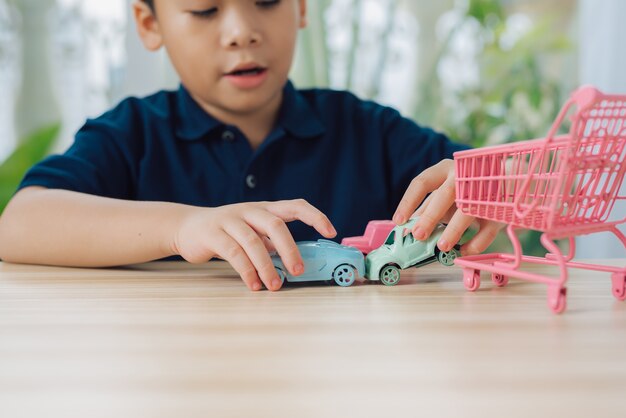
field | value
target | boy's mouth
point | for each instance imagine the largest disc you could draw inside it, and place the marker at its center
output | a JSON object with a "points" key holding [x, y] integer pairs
{"points": [[247, 72], [247, 76]]}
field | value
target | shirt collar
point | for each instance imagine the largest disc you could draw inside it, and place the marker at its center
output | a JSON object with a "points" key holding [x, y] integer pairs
{"points": [[296, 116], [192, 122]]}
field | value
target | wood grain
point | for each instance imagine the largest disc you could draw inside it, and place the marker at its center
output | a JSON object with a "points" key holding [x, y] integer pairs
{"points": [[171, 339]]}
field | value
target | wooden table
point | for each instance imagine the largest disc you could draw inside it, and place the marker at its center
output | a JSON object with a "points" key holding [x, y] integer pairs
{"points": [[175, 340]]}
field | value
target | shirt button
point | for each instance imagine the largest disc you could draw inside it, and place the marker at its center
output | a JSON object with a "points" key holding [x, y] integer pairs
{"points": [[228, 136], [251, 181]]}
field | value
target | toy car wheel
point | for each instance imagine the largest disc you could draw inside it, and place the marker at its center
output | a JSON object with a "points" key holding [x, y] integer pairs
{"points": [[390, 275], [447, 257], [344, 275], [281, 275]]}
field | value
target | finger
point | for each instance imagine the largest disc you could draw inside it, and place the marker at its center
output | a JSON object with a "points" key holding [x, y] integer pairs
{"points": [[252, 244], [443, 199], [483, 238], [428, 181], [423, 206], [447, 217], [454, 231], [300, 209], [232, 252], [269, 225], [269, 246]]}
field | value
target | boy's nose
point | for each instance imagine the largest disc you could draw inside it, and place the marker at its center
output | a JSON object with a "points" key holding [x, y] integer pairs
{"points": [[239, 31]]}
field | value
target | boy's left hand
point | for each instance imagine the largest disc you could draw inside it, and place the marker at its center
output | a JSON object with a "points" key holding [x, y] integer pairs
{"points": [[439, 206]]}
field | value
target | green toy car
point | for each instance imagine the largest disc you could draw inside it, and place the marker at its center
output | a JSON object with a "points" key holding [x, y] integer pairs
{"points": [[401, 251]]}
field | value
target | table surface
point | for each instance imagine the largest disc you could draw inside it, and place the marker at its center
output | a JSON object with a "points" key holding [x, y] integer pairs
{"points": [[172, 339]]}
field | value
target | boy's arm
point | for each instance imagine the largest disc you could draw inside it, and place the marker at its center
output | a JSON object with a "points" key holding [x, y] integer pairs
{"points": [[58, 227]]}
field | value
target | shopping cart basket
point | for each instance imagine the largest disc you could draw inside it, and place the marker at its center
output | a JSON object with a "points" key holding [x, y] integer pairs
{"points": [[563, 186]]}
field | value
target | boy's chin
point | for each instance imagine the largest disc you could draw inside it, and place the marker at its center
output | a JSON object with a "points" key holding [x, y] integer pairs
{"points": [[248, 103]]}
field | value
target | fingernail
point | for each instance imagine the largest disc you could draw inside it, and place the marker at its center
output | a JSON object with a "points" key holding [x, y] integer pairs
{"points": [[256, 286], [419, 234], [298, 269], [443, 245], [332, 231], [397, 219], [276, 284]]}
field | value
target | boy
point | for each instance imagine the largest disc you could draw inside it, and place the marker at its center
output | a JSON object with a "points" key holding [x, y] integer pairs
{"points": [[218, 168]]}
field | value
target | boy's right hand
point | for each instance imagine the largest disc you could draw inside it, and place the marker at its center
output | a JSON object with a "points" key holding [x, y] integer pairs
{"points": [[238, 234]]}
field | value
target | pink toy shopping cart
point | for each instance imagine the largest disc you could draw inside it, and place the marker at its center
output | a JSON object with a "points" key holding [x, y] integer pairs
{"points": [[563, 186]]}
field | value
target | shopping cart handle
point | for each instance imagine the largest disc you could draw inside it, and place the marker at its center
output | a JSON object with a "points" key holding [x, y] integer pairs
{"points": [[586, 96]]}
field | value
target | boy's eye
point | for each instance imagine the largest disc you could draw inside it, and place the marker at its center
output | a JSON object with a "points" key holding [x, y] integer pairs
{"points": [[210, 12], [204, 13], [267, 3]]}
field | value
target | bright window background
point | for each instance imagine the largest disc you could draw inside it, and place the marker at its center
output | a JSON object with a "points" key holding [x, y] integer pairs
{"points": [[438, 62]]}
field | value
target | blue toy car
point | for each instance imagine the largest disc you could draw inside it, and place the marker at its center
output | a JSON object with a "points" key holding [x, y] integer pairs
{"points": [[324, 260]]}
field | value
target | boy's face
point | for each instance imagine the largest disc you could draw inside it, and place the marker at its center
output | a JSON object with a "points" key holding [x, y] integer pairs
{"points": [[233, 56]]}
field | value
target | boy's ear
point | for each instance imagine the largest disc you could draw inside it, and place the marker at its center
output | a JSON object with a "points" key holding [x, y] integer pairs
{"points": [[147, 26], [303, 14]]}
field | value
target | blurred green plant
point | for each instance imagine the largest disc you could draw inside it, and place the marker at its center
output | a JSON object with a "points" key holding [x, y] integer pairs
{"points": [[515, 99], [30, 151], [311, 68]]}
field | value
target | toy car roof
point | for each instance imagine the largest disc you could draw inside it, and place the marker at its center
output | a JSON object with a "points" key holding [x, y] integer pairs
{"points": [[322, 243]]}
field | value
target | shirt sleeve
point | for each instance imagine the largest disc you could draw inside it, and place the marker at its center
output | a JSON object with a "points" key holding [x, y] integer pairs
{"points": [[411, 149], [99, 162]]}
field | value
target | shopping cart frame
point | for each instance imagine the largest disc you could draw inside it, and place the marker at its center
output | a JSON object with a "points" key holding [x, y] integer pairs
{"points": [[562, 186]]}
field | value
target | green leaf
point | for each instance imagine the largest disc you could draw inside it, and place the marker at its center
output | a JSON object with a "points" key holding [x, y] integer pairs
{"points": [[31, 150], [487, 12]]}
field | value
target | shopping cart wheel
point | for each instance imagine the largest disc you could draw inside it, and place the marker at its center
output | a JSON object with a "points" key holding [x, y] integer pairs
{"points": [[499, 280], [471, 279], [619, 285], [557, 299]]}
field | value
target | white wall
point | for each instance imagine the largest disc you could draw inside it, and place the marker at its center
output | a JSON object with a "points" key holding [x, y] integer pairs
{"points": [[603, 63]]}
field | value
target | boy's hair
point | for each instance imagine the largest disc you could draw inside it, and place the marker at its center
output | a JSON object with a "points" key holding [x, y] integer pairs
{"points": [[150, 3]]}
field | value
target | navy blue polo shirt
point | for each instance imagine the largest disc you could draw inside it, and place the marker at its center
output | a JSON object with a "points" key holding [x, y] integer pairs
{"points": [[352, 159]]}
